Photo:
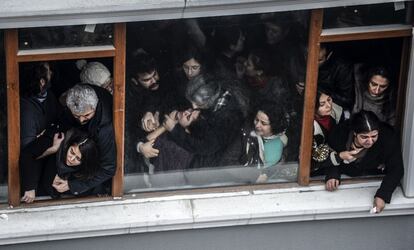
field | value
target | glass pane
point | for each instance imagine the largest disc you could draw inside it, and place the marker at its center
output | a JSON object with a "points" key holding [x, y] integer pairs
{"points": [[365, 15], [3, 123], [77, 159], [355, 76], [66, 36], [226, 94]]}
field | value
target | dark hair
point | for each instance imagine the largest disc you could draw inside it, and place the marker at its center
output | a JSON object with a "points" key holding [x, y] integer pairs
{"points": [[190, 51], [321, 91], [144, 63], [88, 148], [276, 115], [261, 61], [31, 79], [380, 71], [224, 36], [364, 121]]}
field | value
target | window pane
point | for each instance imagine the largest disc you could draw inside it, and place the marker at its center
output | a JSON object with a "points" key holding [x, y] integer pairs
{"points": [[365, 15], [66, 36], [227, 91], [355, 76], [3, 123]]}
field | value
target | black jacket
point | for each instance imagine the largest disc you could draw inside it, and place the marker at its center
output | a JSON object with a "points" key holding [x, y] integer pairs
{"points": [[211, 134], [386, 152], [337, 76], [35, 116], [100, 128]]}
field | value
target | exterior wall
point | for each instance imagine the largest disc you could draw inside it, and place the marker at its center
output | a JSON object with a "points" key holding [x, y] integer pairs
{"points": [[356, 234]]}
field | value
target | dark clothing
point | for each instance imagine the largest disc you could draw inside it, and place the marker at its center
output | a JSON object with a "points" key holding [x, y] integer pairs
{"points": [[384, 157], [171, 156], [38, 174], [337, 76], [211, 134], [101, 130], [35, 116]]}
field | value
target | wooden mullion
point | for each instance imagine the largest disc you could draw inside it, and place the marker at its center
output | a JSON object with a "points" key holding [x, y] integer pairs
{"points": [[315, 30], [366, 35], [13, 115], [119, 107], [402, 81]]}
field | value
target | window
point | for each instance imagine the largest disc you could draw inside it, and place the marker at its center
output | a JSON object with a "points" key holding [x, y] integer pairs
{"points": [[367, 15], [255, 62], [206, 69]]}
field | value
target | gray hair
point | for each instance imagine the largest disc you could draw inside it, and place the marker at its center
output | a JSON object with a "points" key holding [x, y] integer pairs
{"points": [[81, 98], [203, 90]]}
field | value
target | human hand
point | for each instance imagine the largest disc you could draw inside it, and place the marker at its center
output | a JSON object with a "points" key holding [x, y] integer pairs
{"points": [[332, 184], [150, 121], [379, 203], [349, 155], [57, 141], [147, 150], [60, 185], [29, 196], [170, 120]]}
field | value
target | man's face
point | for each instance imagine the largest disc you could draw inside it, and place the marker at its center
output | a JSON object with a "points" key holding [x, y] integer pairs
{"points": [[44, 82], [274, 33], [377, 85], [149, 80], [84, 117]]}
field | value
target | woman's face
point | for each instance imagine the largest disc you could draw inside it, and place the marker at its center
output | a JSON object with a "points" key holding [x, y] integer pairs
{"points": [[249, 67], [192, 68], [367, 139], [262, 124], [377, 85], [73, 156], [325, 105], [185, 118]]}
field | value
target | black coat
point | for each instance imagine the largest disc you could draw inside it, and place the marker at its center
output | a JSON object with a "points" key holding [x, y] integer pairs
{"points": [[386, 152], [35, 116], [101, 130], [337, 76], [211, 134]]}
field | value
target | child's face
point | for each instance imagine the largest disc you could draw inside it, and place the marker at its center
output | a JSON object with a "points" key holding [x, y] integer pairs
{"points": [[262, 125]]}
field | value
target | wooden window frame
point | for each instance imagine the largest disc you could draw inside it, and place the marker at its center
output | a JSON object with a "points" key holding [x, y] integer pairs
{"points": [[14, 57], [316, 35]]}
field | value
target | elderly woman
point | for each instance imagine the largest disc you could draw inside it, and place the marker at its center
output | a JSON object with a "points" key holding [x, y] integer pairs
{"points": [[366, 146], [218, 124], [95, 73]]}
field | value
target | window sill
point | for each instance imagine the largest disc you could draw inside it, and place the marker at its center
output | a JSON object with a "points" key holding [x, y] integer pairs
{"points": [[179, 212]]}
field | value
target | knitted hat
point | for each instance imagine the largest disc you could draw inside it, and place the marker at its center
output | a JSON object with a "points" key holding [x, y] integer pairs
{"points": [[94, 73]]}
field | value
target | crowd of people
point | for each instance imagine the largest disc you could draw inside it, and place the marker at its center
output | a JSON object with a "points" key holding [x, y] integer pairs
{"points": [[209, 96]]}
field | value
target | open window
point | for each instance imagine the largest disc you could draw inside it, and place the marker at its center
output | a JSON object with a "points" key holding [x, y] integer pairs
{"points": [[61, 47]]}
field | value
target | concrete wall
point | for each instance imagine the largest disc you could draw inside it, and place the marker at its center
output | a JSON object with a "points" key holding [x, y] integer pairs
{"points": [[379, 233]]}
